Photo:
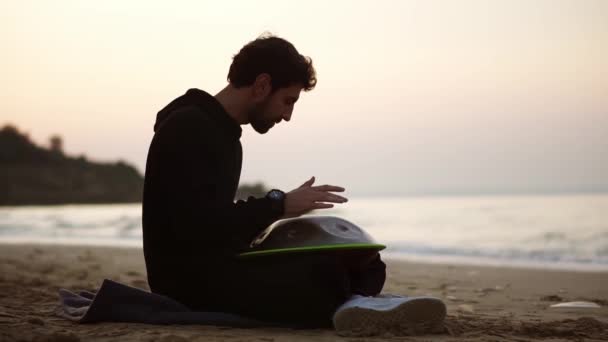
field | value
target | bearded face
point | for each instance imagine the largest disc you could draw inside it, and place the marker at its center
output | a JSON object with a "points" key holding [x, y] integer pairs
{"points": [[260, 117], [276, 107]]}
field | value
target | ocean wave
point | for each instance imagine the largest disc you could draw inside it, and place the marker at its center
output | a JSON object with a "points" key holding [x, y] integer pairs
{"points": [[551, 255], [570, 230]]}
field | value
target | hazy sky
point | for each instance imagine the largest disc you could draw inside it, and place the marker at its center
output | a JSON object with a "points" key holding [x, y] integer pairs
{"points": [[413, 96]]}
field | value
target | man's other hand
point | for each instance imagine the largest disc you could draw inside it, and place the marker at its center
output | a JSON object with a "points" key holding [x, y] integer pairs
{"points": [[307, 198]]}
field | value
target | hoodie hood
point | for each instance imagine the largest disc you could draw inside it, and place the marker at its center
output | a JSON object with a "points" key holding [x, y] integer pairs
{"points": [[206, 103]]}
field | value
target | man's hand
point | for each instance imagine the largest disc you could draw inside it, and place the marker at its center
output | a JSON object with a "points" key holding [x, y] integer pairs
{"points": [[307, 198]]}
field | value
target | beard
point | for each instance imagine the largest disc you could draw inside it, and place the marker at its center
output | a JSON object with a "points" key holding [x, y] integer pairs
{"points": [[257, 120]]}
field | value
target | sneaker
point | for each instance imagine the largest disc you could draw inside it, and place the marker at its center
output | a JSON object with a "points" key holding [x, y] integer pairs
{"points": [[396, 315]]}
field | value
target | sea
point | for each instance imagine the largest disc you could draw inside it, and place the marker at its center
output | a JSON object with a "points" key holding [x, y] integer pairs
{"points": [[536, 231]]}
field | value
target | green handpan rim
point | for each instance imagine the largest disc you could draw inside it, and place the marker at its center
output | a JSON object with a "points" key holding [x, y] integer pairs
{"points": [[314, 248]]}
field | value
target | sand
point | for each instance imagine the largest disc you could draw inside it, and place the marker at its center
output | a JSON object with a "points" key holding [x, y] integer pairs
{"points": [[484, 303]]}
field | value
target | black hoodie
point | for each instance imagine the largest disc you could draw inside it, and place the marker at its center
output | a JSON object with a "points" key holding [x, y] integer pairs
{"points": [[191, 224]]}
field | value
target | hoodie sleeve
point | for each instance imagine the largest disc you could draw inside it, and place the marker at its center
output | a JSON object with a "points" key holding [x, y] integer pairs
{"points": [[201, 213]]}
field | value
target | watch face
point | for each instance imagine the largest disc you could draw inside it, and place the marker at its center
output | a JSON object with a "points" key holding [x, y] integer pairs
{"points": [[275, 195]]}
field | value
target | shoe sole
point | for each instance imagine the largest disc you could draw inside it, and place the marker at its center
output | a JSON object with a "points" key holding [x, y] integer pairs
{"points": [[416, 316]]}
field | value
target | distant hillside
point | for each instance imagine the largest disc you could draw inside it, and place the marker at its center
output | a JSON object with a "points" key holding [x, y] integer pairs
{"points": [[30, 174]]}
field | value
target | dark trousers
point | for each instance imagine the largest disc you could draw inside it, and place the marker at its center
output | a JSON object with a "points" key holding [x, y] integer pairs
{"points": [[300, 290]]}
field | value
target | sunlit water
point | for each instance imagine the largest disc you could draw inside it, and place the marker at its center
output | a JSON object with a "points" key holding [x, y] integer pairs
{"points": [[568, 232]]}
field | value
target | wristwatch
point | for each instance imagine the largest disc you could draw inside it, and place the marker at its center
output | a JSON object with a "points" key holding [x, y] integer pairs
{"points": [[277, 200]]}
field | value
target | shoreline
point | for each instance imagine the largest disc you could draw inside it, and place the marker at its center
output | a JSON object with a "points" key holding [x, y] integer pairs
{"points": [[484, 302], [405, 257]]}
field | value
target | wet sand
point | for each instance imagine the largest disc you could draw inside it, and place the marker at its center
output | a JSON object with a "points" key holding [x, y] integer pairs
{"points": [[484, 303]]}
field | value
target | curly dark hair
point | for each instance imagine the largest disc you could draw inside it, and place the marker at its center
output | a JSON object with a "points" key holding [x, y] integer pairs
{"points": [[276, 57]]}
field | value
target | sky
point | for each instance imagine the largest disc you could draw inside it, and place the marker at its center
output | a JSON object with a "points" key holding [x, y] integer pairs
{"points": [[413, 97]]}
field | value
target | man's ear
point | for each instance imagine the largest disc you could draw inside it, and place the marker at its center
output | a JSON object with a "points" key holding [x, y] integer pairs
{"points": [[262, 87]]}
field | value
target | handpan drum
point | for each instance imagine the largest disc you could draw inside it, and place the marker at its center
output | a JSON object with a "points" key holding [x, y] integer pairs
{"points": [[311, 234]]}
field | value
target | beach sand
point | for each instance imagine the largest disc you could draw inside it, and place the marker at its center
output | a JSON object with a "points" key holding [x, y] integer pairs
{"points": [[484, 303]]}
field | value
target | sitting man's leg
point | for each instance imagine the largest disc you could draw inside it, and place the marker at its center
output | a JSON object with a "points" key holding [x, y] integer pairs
{"points": [[300, 289], [367, 273], [303, 290]]}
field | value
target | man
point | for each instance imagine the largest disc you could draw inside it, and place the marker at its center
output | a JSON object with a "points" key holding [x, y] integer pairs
{"points": [[192, 228]]}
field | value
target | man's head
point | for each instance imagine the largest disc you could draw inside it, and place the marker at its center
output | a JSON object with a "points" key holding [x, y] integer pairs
{"points": [[275, 74]]}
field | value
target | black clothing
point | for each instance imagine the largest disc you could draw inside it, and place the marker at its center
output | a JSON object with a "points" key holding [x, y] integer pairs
{"points": [[192, 229], [302, 290], [192, 174]]}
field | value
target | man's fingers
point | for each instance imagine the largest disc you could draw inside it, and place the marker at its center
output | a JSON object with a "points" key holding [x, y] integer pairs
{"points": [[332, 188], [327, 197], [308, 182], [322, 205]]}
